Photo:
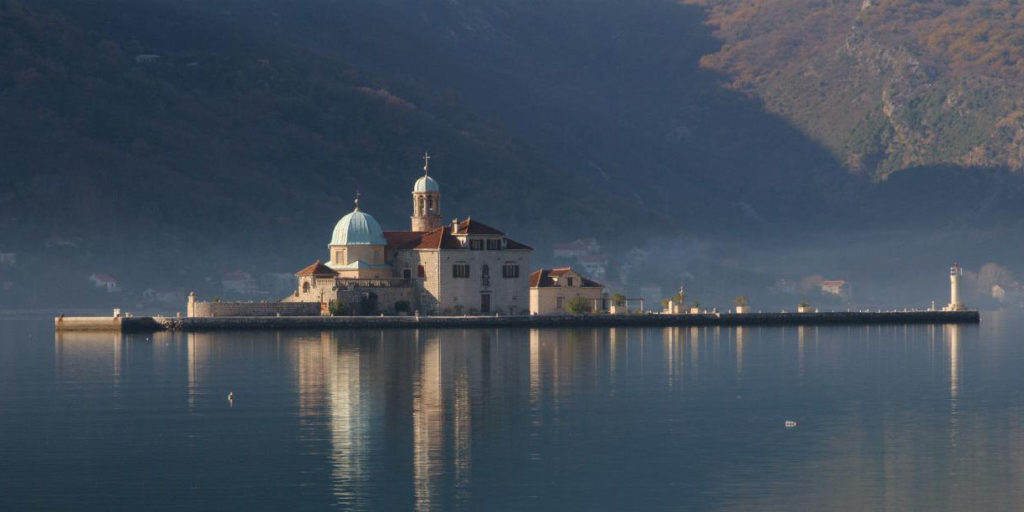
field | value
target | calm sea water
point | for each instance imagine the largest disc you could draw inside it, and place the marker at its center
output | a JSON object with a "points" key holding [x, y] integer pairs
{"points": [[889, 418]]}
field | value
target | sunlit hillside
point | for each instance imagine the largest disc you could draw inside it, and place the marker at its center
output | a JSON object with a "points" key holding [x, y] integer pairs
{"points": [[885, 84]]}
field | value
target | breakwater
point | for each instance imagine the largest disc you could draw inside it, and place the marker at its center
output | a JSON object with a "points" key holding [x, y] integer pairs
{"points": [[192, 324]]}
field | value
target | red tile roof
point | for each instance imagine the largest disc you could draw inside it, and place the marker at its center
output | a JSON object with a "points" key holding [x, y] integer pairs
{"points": [[398, 240], [544, 278], [317, 269], [472, 227], [442, 238]]}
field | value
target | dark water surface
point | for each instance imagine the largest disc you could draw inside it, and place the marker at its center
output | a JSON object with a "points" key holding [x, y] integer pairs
{"points": [[889, 418]]}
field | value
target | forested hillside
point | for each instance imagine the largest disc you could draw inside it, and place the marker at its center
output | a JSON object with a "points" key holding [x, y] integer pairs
{"points": [[885, 84], [198, 132], [172, 141]]}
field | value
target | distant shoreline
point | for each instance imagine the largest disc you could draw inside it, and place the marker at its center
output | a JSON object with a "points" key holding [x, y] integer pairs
{"points": [[153, 324]]}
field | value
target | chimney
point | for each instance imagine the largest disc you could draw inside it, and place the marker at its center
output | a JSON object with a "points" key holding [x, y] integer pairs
{"points": [[455, 225]]}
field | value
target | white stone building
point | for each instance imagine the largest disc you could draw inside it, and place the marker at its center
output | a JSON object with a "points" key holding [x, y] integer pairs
{"points": [[465, 267], [551, 290]]}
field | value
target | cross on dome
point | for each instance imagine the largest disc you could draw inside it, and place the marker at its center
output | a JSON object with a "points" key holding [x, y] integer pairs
{"points": [[426, 164], [357, 200]]}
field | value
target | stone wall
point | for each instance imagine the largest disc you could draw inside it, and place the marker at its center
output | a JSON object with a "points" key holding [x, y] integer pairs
{"points": [[387, 298], [426, 288], [508, 295], [544, 301], [221, 309], [537, 321]]}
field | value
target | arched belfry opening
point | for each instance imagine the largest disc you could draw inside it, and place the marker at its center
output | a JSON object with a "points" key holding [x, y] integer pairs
{"points": [[426, 200]]}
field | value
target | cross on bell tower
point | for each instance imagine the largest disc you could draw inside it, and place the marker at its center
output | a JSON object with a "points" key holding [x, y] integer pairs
{"points": [[426, 200]]}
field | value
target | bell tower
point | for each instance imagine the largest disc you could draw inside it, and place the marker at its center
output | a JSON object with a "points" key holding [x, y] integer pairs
{"points": [[426, 201]]}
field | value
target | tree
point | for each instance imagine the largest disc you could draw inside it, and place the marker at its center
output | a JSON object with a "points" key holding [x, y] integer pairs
{"points": [[336, 308], [368, 303], [577, 306], [741, 301], [618, 299]]}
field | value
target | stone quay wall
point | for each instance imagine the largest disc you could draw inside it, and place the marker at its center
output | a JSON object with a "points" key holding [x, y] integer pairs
{"points": [[272, 322], [108, 324], [647, 320], [249, 309]]}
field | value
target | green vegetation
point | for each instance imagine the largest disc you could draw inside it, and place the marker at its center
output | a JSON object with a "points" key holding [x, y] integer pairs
{"points": [[337, 308], [618, 300], [148, 119], [577, 306], [368, 303], [741, 301]]}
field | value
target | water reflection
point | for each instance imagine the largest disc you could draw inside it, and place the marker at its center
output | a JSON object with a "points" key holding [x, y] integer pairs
{"points": [[428, 425], [88, 356], [892, 417]]}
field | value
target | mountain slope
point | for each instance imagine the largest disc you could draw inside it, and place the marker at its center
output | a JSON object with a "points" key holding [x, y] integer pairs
{"points": [[610, 91], [887, 85], [226, 139]]}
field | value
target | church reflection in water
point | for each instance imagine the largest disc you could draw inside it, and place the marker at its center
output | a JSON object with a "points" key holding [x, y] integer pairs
{"points": [[411, 419]]}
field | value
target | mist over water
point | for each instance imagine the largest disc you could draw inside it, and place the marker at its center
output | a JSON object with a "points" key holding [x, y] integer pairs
{"points": [[888, 417]]}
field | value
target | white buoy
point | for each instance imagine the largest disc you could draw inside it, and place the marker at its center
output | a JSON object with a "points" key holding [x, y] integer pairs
{"points": [[790, 424], [231, 398]]}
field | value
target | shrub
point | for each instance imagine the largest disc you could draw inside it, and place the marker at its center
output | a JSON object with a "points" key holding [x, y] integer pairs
{"points": [[403, 306], [577, 306], [336, 308], [368, 303]]}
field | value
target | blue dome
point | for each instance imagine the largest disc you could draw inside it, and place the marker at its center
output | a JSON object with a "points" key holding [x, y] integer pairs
{"points": [[426, 184], [358, 228]]}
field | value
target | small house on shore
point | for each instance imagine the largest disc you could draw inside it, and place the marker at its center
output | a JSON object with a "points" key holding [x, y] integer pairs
{"points": [[551, 290]]}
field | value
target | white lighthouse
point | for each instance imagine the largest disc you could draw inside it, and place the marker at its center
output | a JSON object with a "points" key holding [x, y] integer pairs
{"points": [[955, 273]]}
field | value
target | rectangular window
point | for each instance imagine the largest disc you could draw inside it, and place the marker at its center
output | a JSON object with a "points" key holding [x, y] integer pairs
{"points": [[510, 271], [494, 245], [476, 245], [568, 282], [460, 271], [558, 303]]}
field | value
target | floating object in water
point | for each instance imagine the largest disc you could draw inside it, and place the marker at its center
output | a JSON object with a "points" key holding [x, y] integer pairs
{"points": [[231, 397], [790, 424]]}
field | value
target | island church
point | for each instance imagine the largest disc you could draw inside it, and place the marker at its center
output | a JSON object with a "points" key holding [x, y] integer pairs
{"points": [[465, 267]]}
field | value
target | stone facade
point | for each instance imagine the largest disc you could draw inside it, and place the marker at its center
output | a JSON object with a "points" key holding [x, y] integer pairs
{"points": [[552, 289], [485, 290], [466, 267]]}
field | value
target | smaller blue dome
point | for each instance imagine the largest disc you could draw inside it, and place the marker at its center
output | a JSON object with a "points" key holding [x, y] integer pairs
{"points": [[358, 228], [426, 184]]}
